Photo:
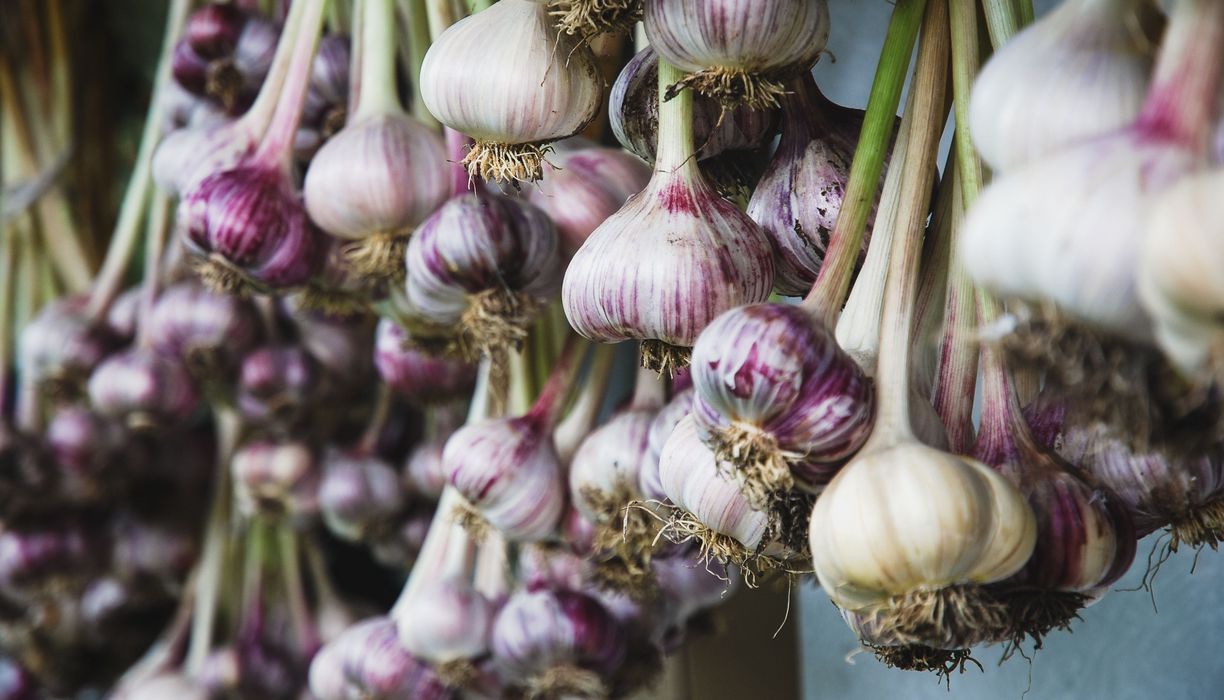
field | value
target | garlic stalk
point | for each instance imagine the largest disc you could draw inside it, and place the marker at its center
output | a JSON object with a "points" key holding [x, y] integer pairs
{"points": [[509, 79], [674, 257], [906, 534], [382, 174]]}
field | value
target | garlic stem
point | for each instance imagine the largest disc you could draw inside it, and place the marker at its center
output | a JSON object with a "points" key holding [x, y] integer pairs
{"points": [[257, 118], [549, 404], [893, 375], [649, 389], [966, 60], [276, 148], [675, 152], [440, 14], [8, 269], [956, 376], [379, 94], [28, 416], [585, 409], [416, 22], [127, 226], [1026, 12], [493, 578], [295, 596], [157, 227], [845, 242], [378, 421], [1182, 102]]}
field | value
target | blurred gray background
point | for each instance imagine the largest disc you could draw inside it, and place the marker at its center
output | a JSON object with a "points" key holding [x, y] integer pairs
{"points": [[1123, 649]]}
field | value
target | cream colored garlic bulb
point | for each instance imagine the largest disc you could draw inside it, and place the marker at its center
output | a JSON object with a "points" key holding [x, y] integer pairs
{"points": [[1181, 272], [1078, 72], [911, 518], [508, 78]]}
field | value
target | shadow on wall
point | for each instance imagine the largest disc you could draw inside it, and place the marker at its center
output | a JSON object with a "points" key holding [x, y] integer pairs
{"points": [[1123, 649]]}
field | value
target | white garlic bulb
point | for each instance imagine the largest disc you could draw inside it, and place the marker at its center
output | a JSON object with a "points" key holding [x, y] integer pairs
{"points": [[1078, 72], [510, 80], [445, 621]]}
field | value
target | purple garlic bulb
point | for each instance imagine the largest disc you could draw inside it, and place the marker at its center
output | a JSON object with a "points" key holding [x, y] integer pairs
{"points": [[327, 94], [123, 315], [558, 643], [482, 262], [778, 399], [417, 376], [800, 195], [425, 472], [581, 188], [372, 183], [61, 346], [634, 115], [208, 331], [508, 470], [661, 428], [367, 661], [606, 470], [276, 478], [277, 383], [360, 495], [445, 622], [1184, 493], [213, 30], [145, 388], [249, 229], [38, 555], [86, 448], [144, 550]]}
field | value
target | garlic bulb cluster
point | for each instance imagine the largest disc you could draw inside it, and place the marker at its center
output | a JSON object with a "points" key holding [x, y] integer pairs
{"points": [[477, 268], [800, 194], [208, 331], [144, 388], [633, 110], [672, 259], [508, 78], [419, 377], [60, 347], [777, 399], [277, 479], [368, 661], [1177, 276], [558, 643], [1079, 72], [738, 51], [383, 173], [583, 187]]}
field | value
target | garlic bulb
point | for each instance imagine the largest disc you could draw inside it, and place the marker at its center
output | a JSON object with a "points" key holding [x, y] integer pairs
{"points": [[277, 478], [415, 375], [277, 384], [799, 196], [145, 388], [367, 661], [61, 346], [583, 187], [384, 172], [558, 643], [478, 268], [444, 622], [509, 79], [1079, 72], [1177, 276], [661, 428], [424, 473], [738, 51], [633, 108], [777, 399], [208, 331], [360, 495], [1067, 229], [672, 259]]}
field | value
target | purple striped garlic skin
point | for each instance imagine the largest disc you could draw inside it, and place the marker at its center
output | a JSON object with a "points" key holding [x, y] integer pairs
{"points": [[419, 377], [189, 155], [634, 116], [281, 478], [582, 188], [508, 470], [775, 369], [367, 661], [145, 388], [425, 473], [770, 38], [609, 462], [277, 383], [360, 495], [545, 629], [506, 75], [664, 266], [62, 343], [382, 174], [444, 621], [800, 195], [661, 428], [208, 331], [252, 221], [692, 479], [475, 243]]}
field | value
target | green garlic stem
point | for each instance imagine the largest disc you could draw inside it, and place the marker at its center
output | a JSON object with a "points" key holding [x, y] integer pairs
{"points": [[379, 94]]}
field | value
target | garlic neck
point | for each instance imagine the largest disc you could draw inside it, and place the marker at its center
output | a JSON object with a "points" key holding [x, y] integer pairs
{"points": [[276, 148], [1181, 105], [375, 59], [675, 152]]}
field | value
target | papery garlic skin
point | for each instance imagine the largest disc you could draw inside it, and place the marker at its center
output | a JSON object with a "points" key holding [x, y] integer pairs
{"points": [[765, 40], [445, 621], [367, 661], [1078, 72], [691, 478], [359, 495], [633, 114], [582, 188], [415, 375], [145, 388], [910, 517], [208, 331], [381, 174], [62, 345], [506, 77], [773, 375], [508, 470], [1066, 229], [664, 266], [541, 630], [661, 428], [1179, 277], [608, 464], [276, 478]]}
